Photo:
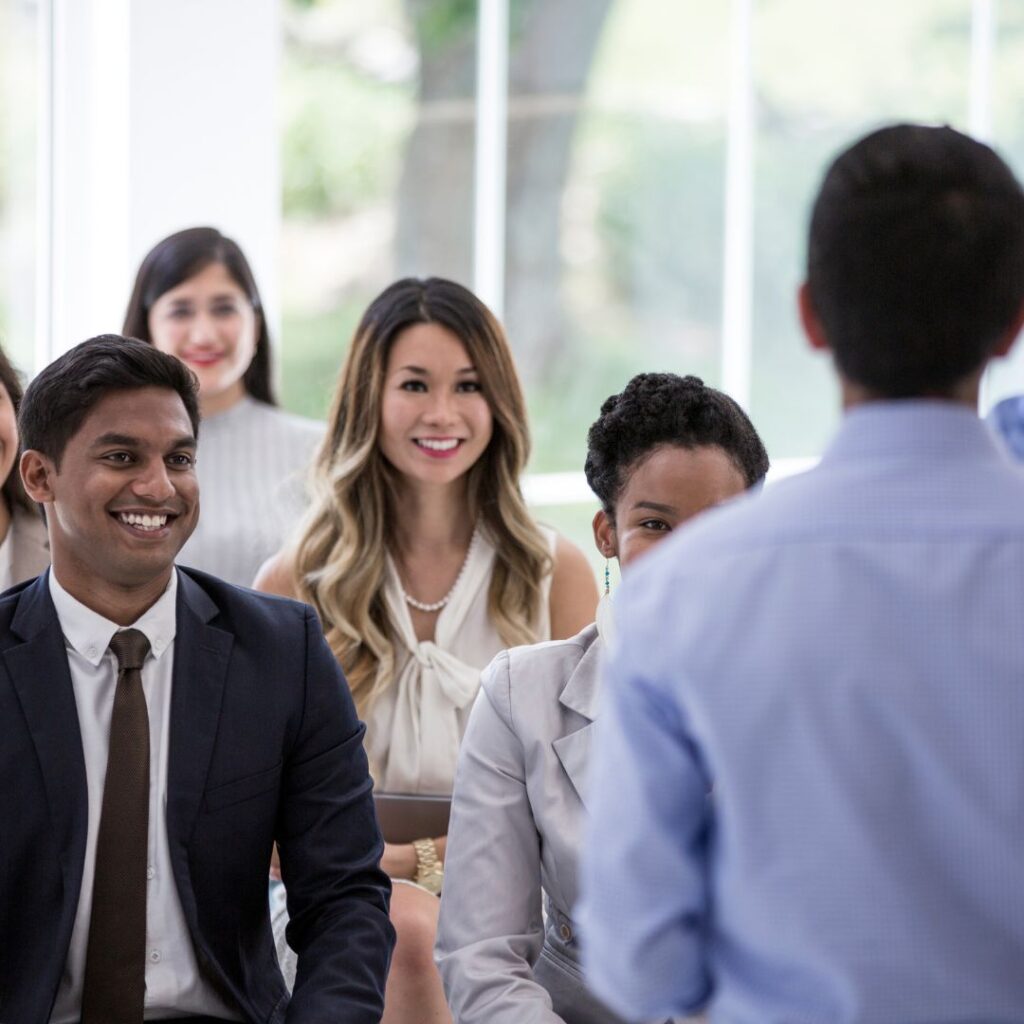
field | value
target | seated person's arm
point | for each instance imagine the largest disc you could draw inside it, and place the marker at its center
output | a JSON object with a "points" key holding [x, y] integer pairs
{"points": [[330, 849], [277, 576], [643, 912], [491, 929], [573, 591]]}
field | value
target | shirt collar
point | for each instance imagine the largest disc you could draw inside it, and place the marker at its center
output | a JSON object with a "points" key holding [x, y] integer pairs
{"points": [[913, 428], [89, 633]]}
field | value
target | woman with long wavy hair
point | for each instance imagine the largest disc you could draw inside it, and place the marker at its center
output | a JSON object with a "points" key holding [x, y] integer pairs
{"points": [[423, 562]]}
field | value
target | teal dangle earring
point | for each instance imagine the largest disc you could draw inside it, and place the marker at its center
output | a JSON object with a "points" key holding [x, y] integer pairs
{"points": [[607, 578]]}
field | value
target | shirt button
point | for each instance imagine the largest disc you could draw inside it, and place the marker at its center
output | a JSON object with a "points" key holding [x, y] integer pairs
{"points": [[90, 652], [565, 931], [151, 871], [154, 956]]}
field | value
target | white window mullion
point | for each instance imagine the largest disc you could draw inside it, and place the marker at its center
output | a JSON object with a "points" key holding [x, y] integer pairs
{"points": [[88, 169], [43, 347], [979, 108], [737, 273], [983, 45], [490, 153]]}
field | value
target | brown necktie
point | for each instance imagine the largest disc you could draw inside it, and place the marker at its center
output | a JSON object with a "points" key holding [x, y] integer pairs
{"points": [[115, 965]]}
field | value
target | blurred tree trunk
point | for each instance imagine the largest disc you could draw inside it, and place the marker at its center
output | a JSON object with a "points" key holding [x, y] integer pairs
{"points": [[553, 44]]}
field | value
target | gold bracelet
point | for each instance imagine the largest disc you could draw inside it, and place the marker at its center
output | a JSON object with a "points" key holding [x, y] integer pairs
{"points": [[429, 869]]}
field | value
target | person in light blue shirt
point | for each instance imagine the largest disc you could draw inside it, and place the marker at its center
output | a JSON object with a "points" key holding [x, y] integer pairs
{"points": [[808, 781], [1006, 418]]}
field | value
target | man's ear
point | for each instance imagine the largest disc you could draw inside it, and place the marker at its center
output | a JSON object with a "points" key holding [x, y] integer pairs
{"points": [[604, 535], [37, 473], [809, 320], [1006, 341]]}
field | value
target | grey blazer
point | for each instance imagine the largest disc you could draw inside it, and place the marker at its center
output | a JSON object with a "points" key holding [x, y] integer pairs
{"points": [[517, 818]]}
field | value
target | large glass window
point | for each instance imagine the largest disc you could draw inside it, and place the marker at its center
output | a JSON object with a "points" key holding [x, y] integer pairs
{"points": [[615, 204], [661, 158], [825, 73], [377, 162]]}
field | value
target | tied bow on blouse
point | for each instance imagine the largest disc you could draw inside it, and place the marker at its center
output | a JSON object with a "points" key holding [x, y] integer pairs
{"points": [[433, 686]]}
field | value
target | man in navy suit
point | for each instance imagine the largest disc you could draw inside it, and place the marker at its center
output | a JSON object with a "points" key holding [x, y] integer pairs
{"points": [[122, 899]]}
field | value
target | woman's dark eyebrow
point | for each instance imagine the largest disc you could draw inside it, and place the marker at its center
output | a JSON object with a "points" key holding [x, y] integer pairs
{"points": [[655, 506], [124, 440], [425, 373]]}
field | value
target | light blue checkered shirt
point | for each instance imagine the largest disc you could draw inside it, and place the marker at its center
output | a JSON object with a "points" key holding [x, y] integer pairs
{"points": [[840, 662]]}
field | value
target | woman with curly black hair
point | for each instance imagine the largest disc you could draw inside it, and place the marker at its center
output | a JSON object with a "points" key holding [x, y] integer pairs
{"points": [[662, 451]]}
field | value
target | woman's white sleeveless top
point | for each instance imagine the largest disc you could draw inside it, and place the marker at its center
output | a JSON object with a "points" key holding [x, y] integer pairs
{"points": [[414, 728]]}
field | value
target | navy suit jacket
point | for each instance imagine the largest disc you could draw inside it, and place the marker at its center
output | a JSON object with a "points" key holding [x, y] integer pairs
{"points": [[265, 745]]}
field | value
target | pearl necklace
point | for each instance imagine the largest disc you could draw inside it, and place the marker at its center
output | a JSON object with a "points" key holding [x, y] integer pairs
{"points": [[436, 606]]}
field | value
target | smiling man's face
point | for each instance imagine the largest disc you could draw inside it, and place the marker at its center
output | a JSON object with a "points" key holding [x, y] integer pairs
{"points": [[125, 497]]}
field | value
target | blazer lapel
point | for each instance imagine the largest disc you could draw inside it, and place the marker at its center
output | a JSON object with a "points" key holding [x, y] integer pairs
{"points": [[201, 657], [580, 694], [38, 668]]}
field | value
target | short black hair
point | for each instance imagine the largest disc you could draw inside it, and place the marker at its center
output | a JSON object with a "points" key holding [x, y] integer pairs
{"points": [[915, 261], [58, 400], [658, 409], [182, 255]]}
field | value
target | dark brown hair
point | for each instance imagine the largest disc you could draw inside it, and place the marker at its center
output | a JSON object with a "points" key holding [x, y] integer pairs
{"points": [[12, 489], [181, 256], [61, 396], [656, 409], [915, 262]]}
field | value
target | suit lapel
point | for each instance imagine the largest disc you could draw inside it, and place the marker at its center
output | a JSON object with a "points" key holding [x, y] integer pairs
{"points": [[573, 751], [38, 668], [580, 694], [201, 657]]}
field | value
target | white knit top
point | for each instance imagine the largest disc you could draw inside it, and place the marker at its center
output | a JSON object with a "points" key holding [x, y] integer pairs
{"points": [[251, 466]]}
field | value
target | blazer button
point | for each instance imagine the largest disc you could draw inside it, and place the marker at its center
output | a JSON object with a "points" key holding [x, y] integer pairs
{"points": [[565, 931]]}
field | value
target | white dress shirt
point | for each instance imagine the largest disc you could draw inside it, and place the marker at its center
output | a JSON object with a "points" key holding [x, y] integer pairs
{"points": [[174, 986]]}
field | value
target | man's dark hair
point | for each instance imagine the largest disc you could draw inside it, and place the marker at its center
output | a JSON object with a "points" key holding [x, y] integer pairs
{"points": [[915, 263], [58, 400], [658, 409]]}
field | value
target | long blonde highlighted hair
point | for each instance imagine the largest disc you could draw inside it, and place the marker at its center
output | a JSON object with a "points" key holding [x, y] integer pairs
{"points": [[340, 556]]}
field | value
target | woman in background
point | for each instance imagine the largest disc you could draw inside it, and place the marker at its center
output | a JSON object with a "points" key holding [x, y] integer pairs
{"points": [[422, 561], [24, 549], [661, 452], [195, 297]]}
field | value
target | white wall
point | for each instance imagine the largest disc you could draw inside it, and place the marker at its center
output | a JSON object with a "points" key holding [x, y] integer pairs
{"points": [[164, 117]]}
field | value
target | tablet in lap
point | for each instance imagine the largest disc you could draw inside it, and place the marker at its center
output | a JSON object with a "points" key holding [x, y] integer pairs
{"points": [[404, 817]]}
